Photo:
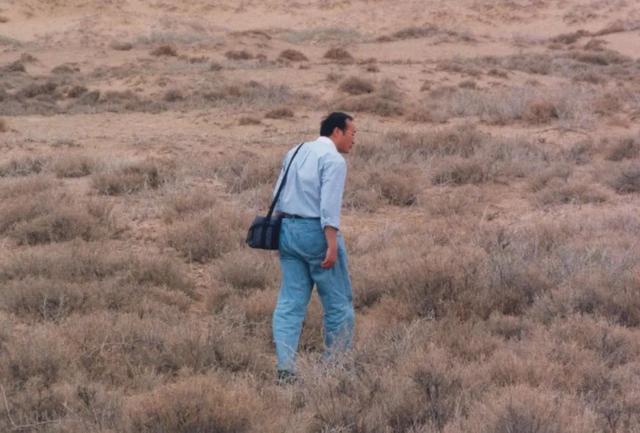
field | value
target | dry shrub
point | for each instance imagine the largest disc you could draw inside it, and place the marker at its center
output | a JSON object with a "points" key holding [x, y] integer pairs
{"points": [[386, 101], [607, 103], [3, 19], [539, 112], [356, 86], [570, 38], [626, 180], [164, 50], [33, 90], [77, 91], [200, 403], [22, 167], [575, 191], [121, 46], [72, 165], [238, 55], [622, 148], [293, 56], [65, 69], [3, 125], [248, 120], [449, 202], [206, 236], [524, 409], [397, 189], [279, 113], [215, 66], [17, 66], [458, 171], [232, 270], [132, 177], [600, 58], [173, 95], [339, 54], [247, 170], [556, 171], [25, 186], [180, 203]]}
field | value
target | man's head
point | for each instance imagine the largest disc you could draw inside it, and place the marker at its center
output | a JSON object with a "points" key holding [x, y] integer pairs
{"points": [[339, 127]]}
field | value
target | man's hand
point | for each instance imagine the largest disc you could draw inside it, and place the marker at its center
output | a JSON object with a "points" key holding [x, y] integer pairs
{"points": [[330, 258]]}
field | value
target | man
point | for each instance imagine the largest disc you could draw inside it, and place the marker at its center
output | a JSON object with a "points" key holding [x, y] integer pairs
{"points": [[311, 246]]}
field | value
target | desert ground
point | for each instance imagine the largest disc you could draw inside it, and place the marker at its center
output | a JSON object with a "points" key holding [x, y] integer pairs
{"points": [[491, 214]]}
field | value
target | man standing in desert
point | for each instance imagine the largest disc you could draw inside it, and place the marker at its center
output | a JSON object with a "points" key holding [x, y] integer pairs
{"points": [[312, 249]]}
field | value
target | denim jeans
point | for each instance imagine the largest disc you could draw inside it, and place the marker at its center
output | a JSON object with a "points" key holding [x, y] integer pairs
{"points": [[302, 248]]}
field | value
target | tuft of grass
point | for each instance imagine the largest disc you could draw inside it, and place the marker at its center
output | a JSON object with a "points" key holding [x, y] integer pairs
{"points": [[121, 46], [232, 270], [385, 102], [293, 56], [22, 167], [623, 148], [206, 236], [339, 54], [357, 86], [279, 113], [248, 120], [627, 180], [72, 165], [238, 55], [164, 50], [131, 177], [3, 125]]}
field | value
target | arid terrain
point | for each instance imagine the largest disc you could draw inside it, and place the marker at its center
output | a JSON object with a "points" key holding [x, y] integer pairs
{"points": [[491, 214]]}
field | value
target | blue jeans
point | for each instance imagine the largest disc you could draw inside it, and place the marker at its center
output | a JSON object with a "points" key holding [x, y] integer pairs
{"points": [[302, 248]]}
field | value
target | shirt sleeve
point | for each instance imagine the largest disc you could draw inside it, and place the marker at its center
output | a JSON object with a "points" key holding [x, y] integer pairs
{"points": [[332, 179]]}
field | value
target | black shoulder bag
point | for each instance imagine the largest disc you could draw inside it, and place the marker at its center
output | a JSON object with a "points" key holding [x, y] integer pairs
{"points": [[264, 232]]}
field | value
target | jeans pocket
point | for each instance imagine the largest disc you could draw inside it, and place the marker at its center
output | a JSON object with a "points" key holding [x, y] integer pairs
{"points": [[313, 243]]}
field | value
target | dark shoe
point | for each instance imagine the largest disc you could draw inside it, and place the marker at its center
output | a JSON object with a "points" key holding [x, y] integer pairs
{"points": [[286, 377]]}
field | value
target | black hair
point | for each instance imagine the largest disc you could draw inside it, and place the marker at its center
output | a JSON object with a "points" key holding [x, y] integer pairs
{"points": [[334, 120]]}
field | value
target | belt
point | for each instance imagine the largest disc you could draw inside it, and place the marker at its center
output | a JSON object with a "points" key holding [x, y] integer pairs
{"points": [[288, 215]]}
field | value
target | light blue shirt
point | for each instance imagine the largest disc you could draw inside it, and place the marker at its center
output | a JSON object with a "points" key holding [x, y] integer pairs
{"points": [[315, 182]]}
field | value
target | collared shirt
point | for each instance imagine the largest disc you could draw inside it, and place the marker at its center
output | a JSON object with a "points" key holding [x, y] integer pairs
{"points": [[315, 182]]}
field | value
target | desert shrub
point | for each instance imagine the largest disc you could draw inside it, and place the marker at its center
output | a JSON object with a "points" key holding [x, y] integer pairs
{"points": [[238, 55], [77, 91], [173, 95], [601, 58], [386, 101], [338, 54], [623, 148], [247, 170], [279, 113], [25, 186], [17, 66], [248, 120], [66, 68], [72, 165], [160, 271], [458, 171], [164, 50], [398, 189], [131, 177], [22, 167], [206, 236], [570, 38], [356, 86], [449, 202], [36, 89], [179, 203], [525, 409], [293, 56], [251, 93], [558, 191], [209, 404], [627, 180], [232, 270], [120, 46], [556, 171], [539, 112], [3, 125]]}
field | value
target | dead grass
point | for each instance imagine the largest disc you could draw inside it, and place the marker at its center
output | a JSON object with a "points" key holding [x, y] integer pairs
{"points": [[4, 127], [293, 56], [73, 165], [207, 235], [238, 55], [164, 50], [131, 177], [387, 101], [339, 55], [622, 148], [22, 167], [121, 46], [280, 113], [356, 86], [626, 180]]}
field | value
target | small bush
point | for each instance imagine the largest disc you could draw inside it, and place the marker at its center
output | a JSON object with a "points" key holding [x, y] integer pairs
{"points": [[206, 236], [16, 66], [456, 171], [215, 66], [627, 180], [131, 177], [73, 165], [293, 56], [248, 120], [339, 54], [65, 69], [398, 190], [623, 148], [173, 95], [200, 403], [76, 91], [35, 89], [121, 46], [164, 50], [3, 125], [233, 270], [385, 102], [279, 113], [22, 167], [539, 112], [574, 192], [180, 203], [246, 170], [238, 55], [356, 86]]}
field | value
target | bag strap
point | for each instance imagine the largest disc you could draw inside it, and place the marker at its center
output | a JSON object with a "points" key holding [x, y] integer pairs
{"points": [[284, 179]]}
